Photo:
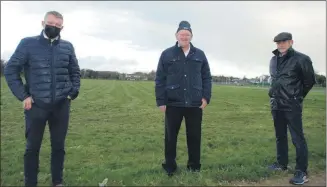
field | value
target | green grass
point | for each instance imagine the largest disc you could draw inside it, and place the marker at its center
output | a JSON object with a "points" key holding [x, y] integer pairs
{"points": [[116, 132]]}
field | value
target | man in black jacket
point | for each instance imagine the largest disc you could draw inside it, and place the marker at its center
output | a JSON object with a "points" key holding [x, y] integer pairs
{"points": [[52, 77], [292, 78], [183, 89]]}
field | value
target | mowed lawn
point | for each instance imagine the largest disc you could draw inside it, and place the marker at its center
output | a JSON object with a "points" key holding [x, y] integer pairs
{"points": [[116, 132]]}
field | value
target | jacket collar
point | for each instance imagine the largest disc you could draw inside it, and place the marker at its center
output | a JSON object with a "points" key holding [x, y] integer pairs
{"points": [[44, 38], [290, 52], [178, 49]]}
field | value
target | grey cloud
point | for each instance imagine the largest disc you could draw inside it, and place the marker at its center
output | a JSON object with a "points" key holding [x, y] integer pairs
{"points": [[98, 63], [150, 34], [238, 32], [101, 63], [41, 7], [6, 55]]}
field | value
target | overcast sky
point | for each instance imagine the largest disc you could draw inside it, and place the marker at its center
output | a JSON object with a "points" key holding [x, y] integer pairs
{"points": [[129, 36]]}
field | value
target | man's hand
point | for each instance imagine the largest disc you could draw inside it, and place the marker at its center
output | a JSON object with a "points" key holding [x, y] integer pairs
{"points": [[27, 103], [204, 103], [162, 108]]}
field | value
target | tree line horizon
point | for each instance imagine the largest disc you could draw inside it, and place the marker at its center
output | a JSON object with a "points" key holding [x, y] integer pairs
{"points": [[150, 76]]}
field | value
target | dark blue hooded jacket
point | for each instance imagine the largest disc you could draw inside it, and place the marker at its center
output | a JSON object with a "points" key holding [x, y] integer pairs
{"points": [[182, 81], [51, 70]]}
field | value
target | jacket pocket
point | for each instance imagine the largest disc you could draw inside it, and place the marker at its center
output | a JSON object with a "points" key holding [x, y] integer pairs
{"points": [[196, 93], [174, 66], [173, 60], [273, 104], [173, 92], [197, 64], [297, 103]]}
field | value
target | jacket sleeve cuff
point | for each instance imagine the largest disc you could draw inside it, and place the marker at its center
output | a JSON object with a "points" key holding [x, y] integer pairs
{"points": [[207, 99], [73, 94], [23, 97], [160, 103]]}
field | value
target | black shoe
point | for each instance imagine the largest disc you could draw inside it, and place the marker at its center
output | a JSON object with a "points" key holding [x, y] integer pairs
{"points": [[299, 178], [277, 167], [169, 168], [194, 167]]}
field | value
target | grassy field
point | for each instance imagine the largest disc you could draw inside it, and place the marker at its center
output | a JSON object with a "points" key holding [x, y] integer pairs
{"points": [[116, 132]]}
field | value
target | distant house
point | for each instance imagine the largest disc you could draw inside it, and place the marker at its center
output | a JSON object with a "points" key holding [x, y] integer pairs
{"points": [[132, 77], [264, 79], [235, 80], [253, 81]]}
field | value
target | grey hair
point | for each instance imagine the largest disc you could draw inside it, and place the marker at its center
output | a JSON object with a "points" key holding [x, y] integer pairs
{"points": [[55, 13]]}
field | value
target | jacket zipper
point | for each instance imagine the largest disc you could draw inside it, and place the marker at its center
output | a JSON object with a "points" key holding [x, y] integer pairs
{"points": [[52, 71]]}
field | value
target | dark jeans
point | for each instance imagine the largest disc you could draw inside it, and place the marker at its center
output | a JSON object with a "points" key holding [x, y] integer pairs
{"points": [[36, 119], [292, 119], [193, 120]]}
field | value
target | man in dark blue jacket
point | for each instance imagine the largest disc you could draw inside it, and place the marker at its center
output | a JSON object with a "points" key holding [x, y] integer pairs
{"points": [[52, 77], [183, 89]]}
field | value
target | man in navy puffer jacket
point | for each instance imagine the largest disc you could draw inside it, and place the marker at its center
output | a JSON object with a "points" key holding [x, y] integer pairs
{"points": [[183, 89], [52, 77]]}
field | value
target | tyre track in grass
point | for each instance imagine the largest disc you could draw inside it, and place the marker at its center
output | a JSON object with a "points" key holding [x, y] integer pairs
{"points": [[133, 107], [87, 89], [132, 99], [145, 107], [93, 101], [148, 107], [116, 105], [143, 93], [88, 85], [90, 98], [147, 87], [90, 88]]}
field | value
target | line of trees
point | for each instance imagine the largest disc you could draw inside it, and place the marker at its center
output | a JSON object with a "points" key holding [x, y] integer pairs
{"points": [[321, 80], [114, 75], [2, 66]]}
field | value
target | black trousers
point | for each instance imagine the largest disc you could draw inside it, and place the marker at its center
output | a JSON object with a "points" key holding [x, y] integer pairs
{"points": [[35, 122], [193, 120], [292, 120]]}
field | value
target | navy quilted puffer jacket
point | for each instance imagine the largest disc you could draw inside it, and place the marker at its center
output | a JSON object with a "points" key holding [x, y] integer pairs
{"points": [[51, 70]]}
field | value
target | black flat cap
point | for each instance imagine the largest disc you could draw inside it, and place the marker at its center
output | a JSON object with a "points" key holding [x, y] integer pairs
{"points": [[283, 37]]}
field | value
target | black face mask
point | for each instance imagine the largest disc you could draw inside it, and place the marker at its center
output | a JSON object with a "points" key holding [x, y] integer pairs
{"points": [[51, 31]]}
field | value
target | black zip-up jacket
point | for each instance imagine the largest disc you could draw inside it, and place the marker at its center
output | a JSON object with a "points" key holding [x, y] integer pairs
{"points": [[182, 81], [292, 77], [51, 71]]}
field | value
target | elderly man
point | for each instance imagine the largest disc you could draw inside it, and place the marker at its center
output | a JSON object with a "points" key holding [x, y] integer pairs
{"points": [[292, 78], [52, 77], [183, 89]]}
